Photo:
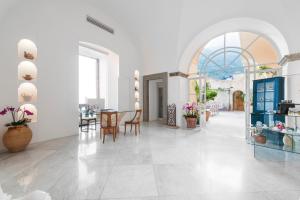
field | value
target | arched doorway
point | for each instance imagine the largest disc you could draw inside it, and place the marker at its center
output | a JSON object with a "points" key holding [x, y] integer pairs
{"points": [[247, 64], [238, 100]]}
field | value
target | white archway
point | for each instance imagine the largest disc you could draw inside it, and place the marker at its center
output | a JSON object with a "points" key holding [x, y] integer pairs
{"points": [[232, 25]]}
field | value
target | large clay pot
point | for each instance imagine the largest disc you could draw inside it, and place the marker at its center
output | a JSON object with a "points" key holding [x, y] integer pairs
{"points": [[207, 115], [17, 138], [261, 139], [191, 122]]}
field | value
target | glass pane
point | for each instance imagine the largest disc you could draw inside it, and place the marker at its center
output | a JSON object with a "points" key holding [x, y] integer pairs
{"points": [[260, 97], [260, 87], [270, 86], [213, 45], [263, 52], [87, 79], [269, 96], [269, 106], [233, 39], [260, 106], [192, 86], [247, 38], [193, 98]]}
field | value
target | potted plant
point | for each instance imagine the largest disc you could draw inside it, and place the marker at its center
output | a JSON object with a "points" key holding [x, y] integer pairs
{"points": [[18, 134], [259, 136], [191, 114]]}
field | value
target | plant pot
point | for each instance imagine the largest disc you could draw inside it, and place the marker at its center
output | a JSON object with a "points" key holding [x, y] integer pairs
{"points": [[17, 138], [260, 139], [191, 122], [207, 115]]}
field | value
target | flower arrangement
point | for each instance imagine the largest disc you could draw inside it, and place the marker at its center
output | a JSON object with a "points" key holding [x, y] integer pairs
{"points": [[19, 115], [191, 110]]}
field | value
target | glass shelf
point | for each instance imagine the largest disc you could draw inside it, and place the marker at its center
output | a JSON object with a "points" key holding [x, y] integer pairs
{"points": [[275, 139]]}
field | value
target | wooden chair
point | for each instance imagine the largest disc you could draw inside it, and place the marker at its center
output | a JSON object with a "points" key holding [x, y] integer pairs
{"points": [[86, 122], [136, 121], [109, 124]]}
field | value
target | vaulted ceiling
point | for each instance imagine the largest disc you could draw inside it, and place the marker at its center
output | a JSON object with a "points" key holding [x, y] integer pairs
{"points": [[162, 29]]}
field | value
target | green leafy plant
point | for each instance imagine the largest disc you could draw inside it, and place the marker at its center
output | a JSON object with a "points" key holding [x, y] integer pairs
{"points": [[210, 93], [265, 67]]}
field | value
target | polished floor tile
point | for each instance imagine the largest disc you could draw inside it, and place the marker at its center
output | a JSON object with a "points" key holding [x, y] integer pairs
{"points": [[161, 163], [130, 181]]}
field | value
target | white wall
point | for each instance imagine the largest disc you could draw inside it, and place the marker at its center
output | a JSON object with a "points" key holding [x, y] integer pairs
{"points": [[178, 87], [57, 27]]}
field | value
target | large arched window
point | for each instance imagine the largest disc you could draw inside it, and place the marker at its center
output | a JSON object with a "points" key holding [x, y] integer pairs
{"points": [[226, 57]]}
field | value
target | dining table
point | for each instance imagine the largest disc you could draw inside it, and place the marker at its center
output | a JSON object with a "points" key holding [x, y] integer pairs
{"points": [[121, 115]]}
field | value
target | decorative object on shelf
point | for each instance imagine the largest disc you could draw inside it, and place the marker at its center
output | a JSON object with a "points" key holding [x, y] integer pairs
{"points": [[172, 115], [136, 89], [280, 125], [191, 114], [27, 71], [27, 92], [294, 111], [18, 134], [27, 49], [260, 139]]}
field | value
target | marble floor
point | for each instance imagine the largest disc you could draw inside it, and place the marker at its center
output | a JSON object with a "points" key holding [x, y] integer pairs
{"points": [[160, 164]]}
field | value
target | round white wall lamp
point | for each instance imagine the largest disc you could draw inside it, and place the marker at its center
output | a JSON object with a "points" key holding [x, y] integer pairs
{"points": [[27, 71], [136, 75], [136, 89], [136, 85], [27, 92], [137, 105], [31, 108], [27, 49]]}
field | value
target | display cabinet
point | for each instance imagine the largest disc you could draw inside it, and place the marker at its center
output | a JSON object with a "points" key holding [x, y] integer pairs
{"points": [[267, 94]]}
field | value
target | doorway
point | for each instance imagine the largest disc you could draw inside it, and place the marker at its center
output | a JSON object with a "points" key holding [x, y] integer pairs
{"points": [[155, 81], [160, 103], [238, 101]]}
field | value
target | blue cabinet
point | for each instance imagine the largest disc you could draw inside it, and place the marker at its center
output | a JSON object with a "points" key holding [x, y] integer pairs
{"points": [[267, 94]]}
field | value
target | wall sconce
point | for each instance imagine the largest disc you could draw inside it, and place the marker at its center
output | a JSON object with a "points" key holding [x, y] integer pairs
{"points": [[27, 92], [137, 95], [27, 71], [136, 85], [136, 89], [31, 108], [27, 49], [136, 75], [137, 105]]}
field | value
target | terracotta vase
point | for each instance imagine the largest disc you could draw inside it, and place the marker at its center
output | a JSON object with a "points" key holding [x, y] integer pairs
{"points": [[260, 139], [191, 122], [17, 138], [207, 115]]}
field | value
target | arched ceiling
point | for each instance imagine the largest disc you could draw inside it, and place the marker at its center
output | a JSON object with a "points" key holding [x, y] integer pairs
{"points": [[5, 5], [162, 29]]}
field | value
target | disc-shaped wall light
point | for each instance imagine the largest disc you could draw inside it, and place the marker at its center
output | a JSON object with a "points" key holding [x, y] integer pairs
{"points": [[27, 49], [27, 71], [32, 109], [27, 92]]}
